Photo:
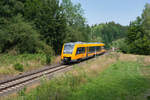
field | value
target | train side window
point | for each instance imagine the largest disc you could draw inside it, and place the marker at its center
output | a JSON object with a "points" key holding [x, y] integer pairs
{"points": [[91, 49], [80, 50], [98, 48]]}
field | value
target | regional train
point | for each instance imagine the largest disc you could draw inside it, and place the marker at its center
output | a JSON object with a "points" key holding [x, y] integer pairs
{"points": [[77, 51]]}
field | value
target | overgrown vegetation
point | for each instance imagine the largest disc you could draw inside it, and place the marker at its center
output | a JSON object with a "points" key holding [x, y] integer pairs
{"points": [[39, 26], [120, 45], [18, 67], [121, 77], [13, 64]]}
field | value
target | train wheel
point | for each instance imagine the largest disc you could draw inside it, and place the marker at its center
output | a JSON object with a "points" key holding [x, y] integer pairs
{"points": [[79, 60]]}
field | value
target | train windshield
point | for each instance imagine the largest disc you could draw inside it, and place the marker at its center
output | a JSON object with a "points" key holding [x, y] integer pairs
{"points": [[68, 49]]}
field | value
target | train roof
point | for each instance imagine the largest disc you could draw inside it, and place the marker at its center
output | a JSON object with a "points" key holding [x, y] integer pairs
{"points": [[73, 43]]}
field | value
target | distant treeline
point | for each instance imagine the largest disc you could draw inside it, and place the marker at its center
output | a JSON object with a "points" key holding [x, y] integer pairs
{"points": [[108, 32], [137, 39], [134, 38], [42, 26]]}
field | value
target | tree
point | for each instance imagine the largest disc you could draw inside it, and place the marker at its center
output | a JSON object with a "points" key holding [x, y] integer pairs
{"points": [[138, 37], [146, 19], [20, 36], [108, 32], [49, 23], [49, 20], [77, 29]]}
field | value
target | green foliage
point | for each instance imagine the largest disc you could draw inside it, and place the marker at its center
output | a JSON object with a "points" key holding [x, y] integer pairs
{"points": [[120, 45], [20, 36], [49, 20], [138, 37], [35, 26], [18, 67], [108, 32], [7, 59], [121, 81], [22, 92], [77, 29], [29, 61], [48, 59]]}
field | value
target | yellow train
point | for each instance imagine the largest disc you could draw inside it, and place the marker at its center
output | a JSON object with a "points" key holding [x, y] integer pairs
{"points": [[76, 51]]}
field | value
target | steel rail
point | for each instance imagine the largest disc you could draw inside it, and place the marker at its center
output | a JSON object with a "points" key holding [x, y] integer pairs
{"points": [[21, 80], [14, 83], [28, 74]]}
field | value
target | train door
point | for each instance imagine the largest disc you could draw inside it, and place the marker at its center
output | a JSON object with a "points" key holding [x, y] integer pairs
{"points": [[80, 53], [87, 50]]}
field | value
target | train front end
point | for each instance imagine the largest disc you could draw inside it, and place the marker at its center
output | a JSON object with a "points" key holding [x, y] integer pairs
{"points": [[67, 52]]}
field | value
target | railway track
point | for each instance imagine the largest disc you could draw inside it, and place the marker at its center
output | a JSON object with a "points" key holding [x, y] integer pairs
{"points": [[16, 83]]}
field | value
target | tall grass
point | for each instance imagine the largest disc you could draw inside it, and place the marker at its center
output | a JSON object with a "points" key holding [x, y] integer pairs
{"points": [[28, 62], [7, 59], [123, 80]]}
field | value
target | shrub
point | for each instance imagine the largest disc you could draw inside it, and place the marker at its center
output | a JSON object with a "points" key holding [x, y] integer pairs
{"points": [[18, 67], [19, 36], [22, 92], [121, 45], [48, 59]]}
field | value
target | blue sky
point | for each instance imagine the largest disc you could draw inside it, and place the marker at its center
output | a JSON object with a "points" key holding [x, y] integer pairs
{"points": [[120, 11]]}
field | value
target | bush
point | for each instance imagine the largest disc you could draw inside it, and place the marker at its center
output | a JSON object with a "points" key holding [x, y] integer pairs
{"points": [[20, 36], [121, 45], [48, 59], [18, 67], [22, 92]]}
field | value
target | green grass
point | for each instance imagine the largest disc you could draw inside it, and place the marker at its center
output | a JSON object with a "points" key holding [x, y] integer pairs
{"points": [[121, 81], [18, 67], [28, 62], [7, 59]]}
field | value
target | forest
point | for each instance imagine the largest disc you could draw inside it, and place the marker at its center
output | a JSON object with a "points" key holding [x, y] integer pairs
{"points": [[32, 33], [43, 26]]}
